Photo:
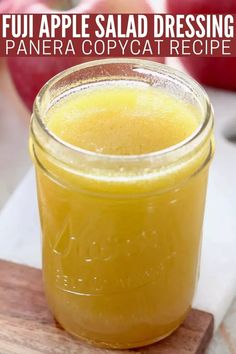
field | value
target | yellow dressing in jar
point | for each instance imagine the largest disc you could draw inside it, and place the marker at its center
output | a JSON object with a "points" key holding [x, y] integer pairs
{"points": [[121, 232], [121, 120]]}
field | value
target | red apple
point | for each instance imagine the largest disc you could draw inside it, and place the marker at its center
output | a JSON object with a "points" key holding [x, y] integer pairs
{"points": [[10, 6], [4, 6], [201, 6], [218, 72], [30, 74], [96, 6]]}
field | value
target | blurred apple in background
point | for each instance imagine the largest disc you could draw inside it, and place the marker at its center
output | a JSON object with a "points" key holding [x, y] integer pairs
{"points": [[217, 72], [11, 6], [91, 6], [201, 6], [4, 6], [30, 74]]}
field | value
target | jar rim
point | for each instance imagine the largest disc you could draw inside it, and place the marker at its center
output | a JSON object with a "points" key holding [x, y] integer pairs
{"points": [[200, 134]]}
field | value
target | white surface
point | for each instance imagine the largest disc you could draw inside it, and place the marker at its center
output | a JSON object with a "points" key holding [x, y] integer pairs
{"points": [[20, 235], [14, 160], [217, 286], [19, 225]]}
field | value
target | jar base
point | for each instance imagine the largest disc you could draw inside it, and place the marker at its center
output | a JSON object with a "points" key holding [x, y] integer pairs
{"points": [[120, 346]]}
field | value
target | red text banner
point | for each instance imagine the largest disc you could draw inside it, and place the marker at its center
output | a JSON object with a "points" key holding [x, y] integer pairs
{"points": [[117, 35]]}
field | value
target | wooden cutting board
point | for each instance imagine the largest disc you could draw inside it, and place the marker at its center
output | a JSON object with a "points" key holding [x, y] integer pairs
{"points": [[27, 327]]}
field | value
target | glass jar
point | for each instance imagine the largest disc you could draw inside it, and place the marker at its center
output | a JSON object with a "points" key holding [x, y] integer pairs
{"points": [[121, 235]]}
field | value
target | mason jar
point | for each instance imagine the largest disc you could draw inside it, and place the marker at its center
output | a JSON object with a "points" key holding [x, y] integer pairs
{"points": [[121, 235]]}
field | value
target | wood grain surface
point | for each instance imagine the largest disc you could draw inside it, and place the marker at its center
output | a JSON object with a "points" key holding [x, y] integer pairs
{"points": [[27, 327]]}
